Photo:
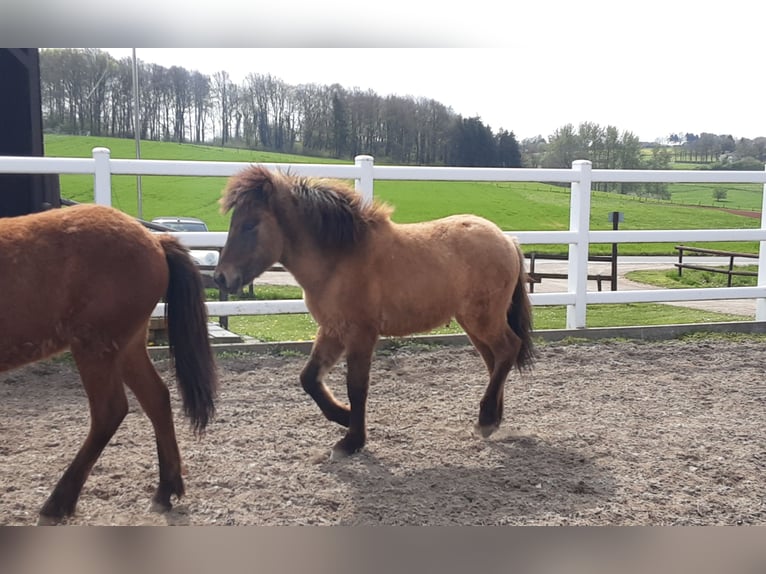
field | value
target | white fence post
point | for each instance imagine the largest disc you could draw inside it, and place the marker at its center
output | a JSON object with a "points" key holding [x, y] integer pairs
{"points": [[760, 303], [102, 177], [579, 220], [364, 184]]}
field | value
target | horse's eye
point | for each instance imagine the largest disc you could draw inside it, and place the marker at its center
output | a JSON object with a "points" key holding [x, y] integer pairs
{"points": [[249, 225]]}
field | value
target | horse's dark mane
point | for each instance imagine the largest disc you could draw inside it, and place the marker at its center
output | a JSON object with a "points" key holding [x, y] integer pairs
{"points": [[330, 210]]}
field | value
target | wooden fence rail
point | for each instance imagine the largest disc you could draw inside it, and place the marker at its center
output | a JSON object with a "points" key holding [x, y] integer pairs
{"points": [[730, 271], [537, 276]]}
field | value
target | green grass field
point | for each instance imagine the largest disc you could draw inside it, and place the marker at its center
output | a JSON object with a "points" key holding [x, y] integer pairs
{"points": [[169, 195], [744, 196], [694, 278], [301, 327], [513, 206]]}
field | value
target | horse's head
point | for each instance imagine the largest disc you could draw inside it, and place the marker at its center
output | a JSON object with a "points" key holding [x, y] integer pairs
{"points": [[255, 240]]}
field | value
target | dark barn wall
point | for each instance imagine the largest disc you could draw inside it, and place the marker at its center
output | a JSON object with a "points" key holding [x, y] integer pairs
{"points": [[21, 133]]}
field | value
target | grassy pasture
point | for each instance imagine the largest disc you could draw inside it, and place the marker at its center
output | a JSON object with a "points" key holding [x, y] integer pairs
{"points": [[745, 196], [301, 327], [513, 206], [161, 195], [694, 278]]}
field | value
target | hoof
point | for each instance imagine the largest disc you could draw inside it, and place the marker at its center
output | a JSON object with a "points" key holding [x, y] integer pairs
{"points": [[345, 447], [338, 453], [167, 489], [160, 507], [486, 430]]}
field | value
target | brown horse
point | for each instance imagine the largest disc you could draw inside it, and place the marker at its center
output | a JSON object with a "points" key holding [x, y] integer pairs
{"points": [[109, 274], [364, 276]]}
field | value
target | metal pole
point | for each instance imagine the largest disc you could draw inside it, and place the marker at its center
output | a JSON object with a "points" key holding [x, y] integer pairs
{"points": [[137, 132]]}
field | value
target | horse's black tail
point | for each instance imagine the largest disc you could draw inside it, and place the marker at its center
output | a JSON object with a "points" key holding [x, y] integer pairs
{"points": [[520, 316], [188, 340]]}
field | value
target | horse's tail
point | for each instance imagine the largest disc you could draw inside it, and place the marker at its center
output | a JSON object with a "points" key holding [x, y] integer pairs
{"points": [[188, 336], [520, 316]]}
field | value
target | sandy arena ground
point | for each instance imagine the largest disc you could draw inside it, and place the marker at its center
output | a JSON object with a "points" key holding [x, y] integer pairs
{"points": [[607, 433]]}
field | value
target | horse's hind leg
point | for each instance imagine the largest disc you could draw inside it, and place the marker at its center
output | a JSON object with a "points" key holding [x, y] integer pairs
{"points": [[499, 348], [324, 354], [142, 378], [505, 352], [108, 407], [484, 351]]}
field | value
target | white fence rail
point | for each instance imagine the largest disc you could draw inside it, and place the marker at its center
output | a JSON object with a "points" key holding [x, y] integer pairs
{"points": [[364, 173]]}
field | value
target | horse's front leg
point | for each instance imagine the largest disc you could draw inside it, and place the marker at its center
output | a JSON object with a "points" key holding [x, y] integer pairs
{"points": [[325, 353], [358, 361]]}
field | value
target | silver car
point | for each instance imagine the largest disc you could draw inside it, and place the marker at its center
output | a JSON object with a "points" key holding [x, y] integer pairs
{"points": [[202, 257]]}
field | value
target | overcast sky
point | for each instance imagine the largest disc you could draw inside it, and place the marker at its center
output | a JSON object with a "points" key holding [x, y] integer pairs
{"points": [[651, 90], [653, 67]]}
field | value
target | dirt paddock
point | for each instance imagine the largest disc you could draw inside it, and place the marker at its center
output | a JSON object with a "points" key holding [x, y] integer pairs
{"points": [[607, 433]]}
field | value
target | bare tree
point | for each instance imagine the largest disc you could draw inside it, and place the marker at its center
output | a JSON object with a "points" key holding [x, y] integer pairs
{"points": [[86, 91], [200, 86], [221, 86], [312, 109], [182, 98]]}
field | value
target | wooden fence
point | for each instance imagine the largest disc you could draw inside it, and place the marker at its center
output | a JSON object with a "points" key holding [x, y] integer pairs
{"points": [[730, 271]]}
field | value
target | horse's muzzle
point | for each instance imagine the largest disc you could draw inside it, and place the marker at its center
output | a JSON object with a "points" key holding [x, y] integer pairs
{"points": [[230, 285]]}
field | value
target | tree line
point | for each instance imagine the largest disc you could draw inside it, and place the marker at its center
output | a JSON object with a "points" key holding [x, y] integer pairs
{"points": [[88, 92], [719, 151], [609, 148], [606, 147]]}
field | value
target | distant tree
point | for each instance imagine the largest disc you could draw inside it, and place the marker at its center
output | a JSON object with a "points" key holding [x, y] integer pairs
{"points": [[607, 148], [661, 158], [182, 97], [532, 151], [728, 145], [340, 122], [220, 88], [399, 128], [312, 106], [592, 143], [709, 147], [507, 150], [200, 86], [473, 144], [751, 148], [155, 102], [719, 194], [364, 115], [742, 164], [435, 121], [612, 144], [563, 148]]}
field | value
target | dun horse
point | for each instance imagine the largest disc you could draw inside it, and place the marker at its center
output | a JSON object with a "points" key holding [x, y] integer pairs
{"points": [[108, 273], [365, 276]]}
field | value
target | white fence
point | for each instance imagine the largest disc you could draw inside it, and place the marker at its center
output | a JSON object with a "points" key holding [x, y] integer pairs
{"points": [[364, 172]]}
